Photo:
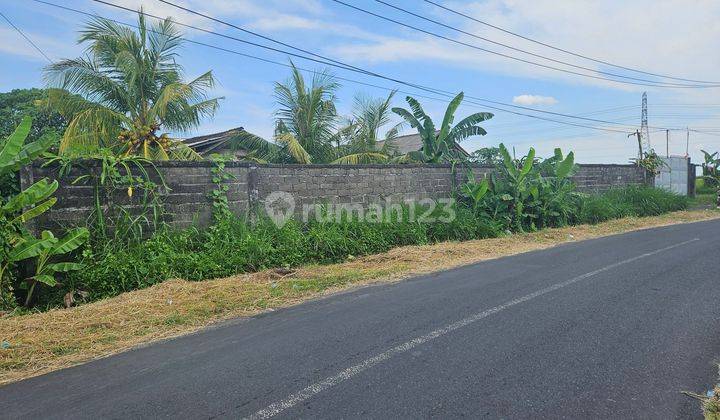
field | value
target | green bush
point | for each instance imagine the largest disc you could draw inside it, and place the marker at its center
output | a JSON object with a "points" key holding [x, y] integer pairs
{"points": [[232, 246], [704, 187], [636, 201]]}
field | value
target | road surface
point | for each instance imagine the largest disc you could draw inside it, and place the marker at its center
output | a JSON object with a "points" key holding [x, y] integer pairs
{"points": [[609, 328]]}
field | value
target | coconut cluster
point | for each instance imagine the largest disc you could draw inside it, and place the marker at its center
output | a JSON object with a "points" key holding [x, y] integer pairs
{"points": [[135, 138]]}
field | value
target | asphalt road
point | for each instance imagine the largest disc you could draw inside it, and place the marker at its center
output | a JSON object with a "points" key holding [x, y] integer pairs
{"points": [[608, 328]]}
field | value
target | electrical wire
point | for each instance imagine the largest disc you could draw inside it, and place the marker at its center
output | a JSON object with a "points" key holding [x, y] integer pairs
{"points": [[444, 93], [436, 22], [26, 38], [339, 78], [522, 60], [448, 9], [414, 85]]}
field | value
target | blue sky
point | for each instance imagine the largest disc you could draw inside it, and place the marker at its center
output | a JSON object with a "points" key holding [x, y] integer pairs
{"points": [[672, 37]]}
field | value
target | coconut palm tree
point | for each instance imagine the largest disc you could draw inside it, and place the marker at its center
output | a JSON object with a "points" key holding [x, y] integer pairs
{"points": [[126, 89], [307, 121], [439, 145], [309, 130], [370, 116]]}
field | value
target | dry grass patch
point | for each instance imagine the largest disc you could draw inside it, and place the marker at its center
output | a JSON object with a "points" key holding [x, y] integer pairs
{"points": [[59, 338]]}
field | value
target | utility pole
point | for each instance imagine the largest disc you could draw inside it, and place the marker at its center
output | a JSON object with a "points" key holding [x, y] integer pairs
{"points": [[687, 142], [667, 143], [639, 140]]}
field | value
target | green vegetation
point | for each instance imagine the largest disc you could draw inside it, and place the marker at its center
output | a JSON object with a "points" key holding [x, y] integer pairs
{"points": [[710, 402], [629, 201], [127, 88], [524, 194], [17, 244], [527, 193], [651, 161], [47, 125], [115, 100], [486, 156], [439, 145], [20, 103], [233, 246], [308, 128], [711, 175]]}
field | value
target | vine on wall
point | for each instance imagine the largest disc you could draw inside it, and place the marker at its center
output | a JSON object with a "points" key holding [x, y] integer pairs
{"points": [[220, 176]]}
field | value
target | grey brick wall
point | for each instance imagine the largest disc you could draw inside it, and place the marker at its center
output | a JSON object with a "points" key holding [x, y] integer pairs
{"points": [[189, 183]]}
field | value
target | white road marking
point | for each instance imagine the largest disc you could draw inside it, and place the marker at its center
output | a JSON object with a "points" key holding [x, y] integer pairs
{"points": [[314, 389]]}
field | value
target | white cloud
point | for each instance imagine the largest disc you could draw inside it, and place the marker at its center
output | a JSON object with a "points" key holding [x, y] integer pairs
{"points": [[14, 44], [668, 38], [534, 100]]}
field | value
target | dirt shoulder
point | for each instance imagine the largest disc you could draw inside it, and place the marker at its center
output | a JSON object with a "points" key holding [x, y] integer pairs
{"points": [[43, 342]]}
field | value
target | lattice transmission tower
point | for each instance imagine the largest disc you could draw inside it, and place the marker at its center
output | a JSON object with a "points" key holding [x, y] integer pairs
{"points": [[644, 130]]}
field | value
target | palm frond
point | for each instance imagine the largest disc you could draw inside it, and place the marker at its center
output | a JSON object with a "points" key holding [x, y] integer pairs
{"points": [[293, 146], [360, 158], [129, 80], [181, 151], [258, 146], [91, 129], [308, 113], [411, 157]]}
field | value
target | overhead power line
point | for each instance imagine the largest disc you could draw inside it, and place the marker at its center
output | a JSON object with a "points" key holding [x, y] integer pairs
{"points": [[367, 72], [470, 101], [27, 38], [448, 9], [350, 80], [436, 22]]}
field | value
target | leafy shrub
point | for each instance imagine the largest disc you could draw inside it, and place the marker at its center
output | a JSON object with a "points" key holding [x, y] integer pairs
{"points": [[231, 246], [704, 187], [17, 243], [636, 201], [526, 193]]}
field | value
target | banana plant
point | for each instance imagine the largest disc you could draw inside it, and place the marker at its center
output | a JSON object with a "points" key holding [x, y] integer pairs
{"points": [[475, 191], [557, 196], [47, 247], [520, 182], [711, 172], [19, 245], [438, 145], [14, 153]]}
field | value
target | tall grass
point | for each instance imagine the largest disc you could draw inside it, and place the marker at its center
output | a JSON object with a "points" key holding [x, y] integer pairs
{"points": [[703, 187], [635, 201], [232, 246]]}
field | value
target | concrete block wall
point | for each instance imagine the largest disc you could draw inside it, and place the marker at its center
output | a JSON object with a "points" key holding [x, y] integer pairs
{"points": [[187, 200], [601, 177]]}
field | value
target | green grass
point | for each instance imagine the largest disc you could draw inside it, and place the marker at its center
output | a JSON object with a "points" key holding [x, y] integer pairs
{"points": [[703, 200], [232, 246], [629, 201], [701, 187]]}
